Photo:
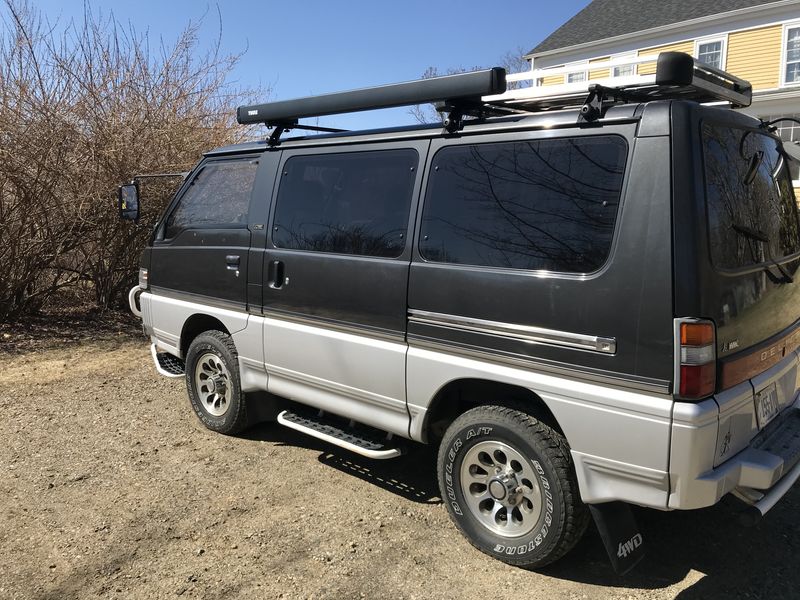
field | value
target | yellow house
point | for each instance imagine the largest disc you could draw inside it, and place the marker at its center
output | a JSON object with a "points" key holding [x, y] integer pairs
{"points": [[756, 40]]}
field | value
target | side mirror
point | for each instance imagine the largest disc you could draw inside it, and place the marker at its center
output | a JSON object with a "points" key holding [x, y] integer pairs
{"points": [[128, 199]]}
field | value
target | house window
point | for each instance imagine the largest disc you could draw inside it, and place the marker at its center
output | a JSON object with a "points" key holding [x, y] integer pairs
{"points": [[623, 70], [710, 53], [576, 77], [792, 72]]}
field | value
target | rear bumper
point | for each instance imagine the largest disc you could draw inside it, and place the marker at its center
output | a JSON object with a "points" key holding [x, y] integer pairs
{"points": [[761, 474]]}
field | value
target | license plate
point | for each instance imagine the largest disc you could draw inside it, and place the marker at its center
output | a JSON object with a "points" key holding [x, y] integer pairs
{"points": [[767, 405]]}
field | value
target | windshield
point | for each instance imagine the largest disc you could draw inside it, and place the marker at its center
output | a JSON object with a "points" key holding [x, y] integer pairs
{"points": [[752, 211]]}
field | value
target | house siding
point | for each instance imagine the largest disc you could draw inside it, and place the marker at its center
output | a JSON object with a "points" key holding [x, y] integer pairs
{"points": [[599, 73], [650, 68], [553, 80], [755, 55]]}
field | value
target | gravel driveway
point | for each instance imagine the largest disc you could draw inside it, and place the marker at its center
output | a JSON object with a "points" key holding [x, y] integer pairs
{"points": [[109, 487]]}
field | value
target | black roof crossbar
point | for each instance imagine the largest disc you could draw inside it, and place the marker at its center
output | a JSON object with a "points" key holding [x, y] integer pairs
{"points": [[449, 89]]}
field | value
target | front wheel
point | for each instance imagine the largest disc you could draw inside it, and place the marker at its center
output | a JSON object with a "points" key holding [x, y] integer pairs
{"points": [[509, 485], [212, 380]]}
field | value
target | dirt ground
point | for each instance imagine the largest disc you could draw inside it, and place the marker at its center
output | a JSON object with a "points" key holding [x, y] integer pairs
{"points": [[110, 488]]}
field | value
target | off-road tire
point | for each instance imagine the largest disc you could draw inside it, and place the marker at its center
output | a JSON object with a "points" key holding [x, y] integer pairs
{"points": [[562, 519], [235, 417]]}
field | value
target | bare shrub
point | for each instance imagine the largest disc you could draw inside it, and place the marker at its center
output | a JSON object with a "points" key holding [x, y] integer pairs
{"points": [[83, 107]]}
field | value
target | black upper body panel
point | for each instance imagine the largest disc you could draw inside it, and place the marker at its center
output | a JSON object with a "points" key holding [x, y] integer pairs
{"points": [[730, 266], [627, 296]]}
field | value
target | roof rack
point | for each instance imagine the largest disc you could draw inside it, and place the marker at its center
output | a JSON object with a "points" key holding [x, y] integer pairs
{"points": [[483, 93], [674, 75]]}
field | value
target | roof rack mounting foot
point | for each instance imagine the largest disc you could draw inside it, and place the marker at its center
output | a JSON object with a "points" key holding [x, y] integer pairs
{"points": [[278, 129], [454, 119], [596, 101], [453, 114]]}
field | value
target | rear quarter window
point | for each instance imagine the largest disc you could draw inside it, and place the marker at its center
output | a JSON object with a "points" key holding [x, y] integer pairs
{"points": [[540, 204], [752, 211]]}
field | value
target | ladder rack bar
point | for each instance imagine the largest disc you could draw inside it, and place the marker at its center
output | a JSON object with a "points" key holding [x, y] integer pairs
{"points": [[450, 89]]}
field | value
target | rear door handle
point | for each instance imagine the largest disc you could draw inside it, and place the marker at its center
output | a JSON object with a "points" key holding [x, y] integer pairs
{"points": [[232, 262], [276, 274]]}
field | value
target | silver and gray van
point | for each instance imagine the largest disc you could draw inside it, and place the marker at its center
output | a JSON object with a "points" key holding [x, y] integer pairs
{"points": [[587, 301]]}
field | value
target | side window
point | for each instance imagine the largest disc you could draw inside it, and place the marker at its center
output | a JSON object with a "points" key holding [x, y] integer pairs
{"points": [[353, 203], [219, 195], [544, 204]]}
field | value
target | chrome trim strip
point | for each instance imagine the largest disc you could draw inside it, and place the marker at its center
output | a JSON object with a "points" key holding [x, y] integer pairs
{"points": [[525, 333], [526, 362]]}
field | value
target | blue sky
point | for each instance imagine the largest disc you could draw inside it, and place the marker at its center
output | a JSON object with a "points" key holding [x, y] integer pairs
{"points": [[309, 47]]}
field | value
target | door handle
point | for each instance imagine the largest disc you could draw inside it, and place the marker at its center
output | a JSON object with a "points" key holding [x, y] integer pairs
{"points": [[276, 274], [232, 262]]}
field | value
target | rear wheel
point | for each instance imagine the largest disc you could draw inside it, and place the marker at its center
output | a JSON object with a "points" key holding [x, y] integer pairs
{"points": [[509, 485], [212, 380]]}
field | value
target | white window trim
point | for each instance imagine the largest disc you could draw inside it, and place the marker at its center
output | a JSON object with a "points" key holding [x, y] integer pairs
{"points": [[710, 40], [784, 42]]}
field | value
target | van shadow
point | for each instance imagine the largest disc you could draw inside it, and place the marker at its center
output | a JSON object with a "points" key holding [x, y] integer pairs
{"points": [[731, 561], [411, 476]]}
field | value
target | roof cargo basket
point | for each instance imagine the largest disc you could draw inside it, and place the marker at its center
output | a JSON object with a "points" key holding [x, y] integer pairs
{"points": [[483, 93], [676, 75]]}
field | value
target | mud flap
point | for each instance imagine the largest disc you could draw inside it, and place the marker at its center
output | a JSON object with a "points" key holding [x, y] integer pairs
{"points": [[620, 533]]}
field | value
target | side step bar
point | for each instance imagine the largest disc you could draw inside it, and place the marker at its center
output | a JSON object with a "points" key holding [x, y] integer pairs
{"points": [[360, 440], [166, 364]]}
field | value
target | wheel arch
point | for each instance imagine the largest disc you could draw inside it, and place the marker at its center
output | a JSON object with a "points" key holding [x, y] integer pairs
{"points": [[195, 325], [460, 395]]}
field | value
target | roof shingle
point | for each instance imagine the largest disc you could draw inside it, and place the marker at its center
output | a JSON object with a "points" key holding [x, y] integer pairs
{"points": [[603, 19]]}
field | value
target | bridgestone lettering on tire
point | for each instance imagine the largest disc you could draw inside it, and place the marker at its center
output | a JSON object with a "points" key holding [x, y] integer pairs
{"points": [[509, 485], [212, 381]]}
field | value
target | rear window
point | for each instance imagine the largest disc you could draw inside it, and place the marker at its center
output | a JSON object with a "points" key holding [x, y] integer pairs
{"points": [[541, 204], [752, 211]]}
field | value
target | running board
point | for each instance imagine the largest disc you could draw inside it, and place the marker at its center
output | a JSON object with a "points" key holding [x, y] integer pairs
{"points": [[360, 440], [167, 364]]}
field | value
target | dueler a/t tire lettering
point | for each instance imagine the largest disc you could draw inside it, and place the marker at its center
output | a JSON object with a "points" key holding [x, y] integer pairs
{"points": [[559, 518]]}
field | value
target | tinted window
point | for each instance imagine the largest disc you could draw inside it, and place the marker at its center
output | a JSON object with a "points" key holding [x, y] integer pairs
{"points": [[219, 195], [752, 213], [543, 204], [354, 203]]}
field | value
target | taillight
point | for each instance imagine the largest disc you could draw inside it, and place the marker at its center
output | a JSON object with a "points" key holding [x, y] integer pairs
{"points": [[697, 358]]}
